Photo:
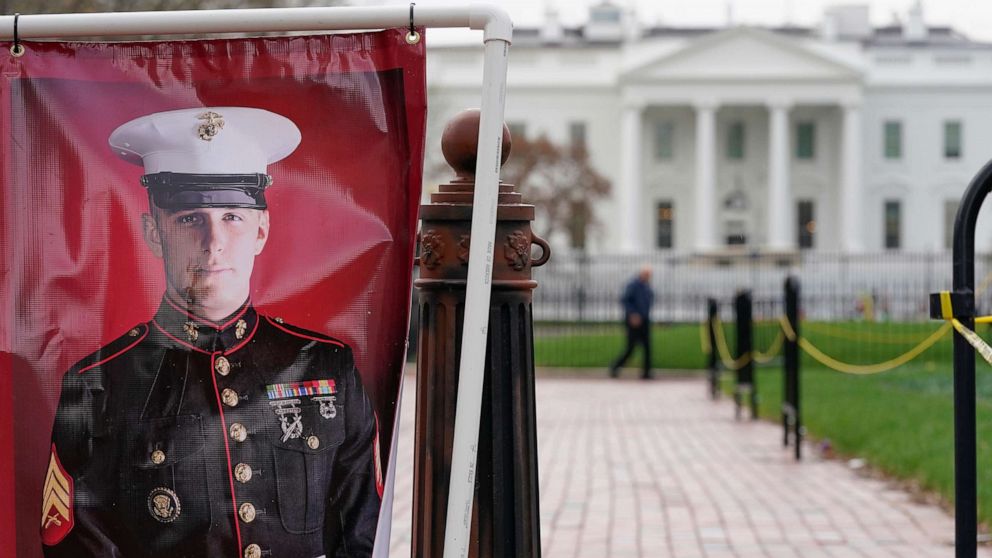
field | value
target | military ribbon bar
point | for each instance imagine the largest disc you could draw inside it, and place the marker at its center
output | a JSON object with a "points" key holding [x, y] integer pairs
{"points": [[299, 389]]}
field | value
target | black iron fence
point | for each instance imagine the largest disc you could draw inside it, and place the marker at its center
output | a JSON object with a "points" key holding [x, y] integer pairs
{"points": [[860, 308]]}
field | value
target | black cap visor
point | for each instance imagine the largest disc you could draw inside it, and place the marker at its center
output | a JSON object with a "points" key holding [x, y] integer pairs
{"points": [[174, 191]]}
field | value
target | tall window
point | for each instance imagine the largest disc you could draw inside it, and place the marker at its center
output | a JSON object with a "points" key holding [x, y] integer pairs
{"points": [[664, 141], [577, 135], [893, 139], [950, 212], [952, 139], [735, 141], [893, 224], [807, 224], [518, 130], [666, 224], [805, 140]]}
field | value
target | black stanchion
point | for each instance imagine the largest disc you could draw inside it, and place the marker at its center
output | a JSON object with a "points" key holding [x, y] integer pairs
{"points": [[745, 385], [961, 303], [791, 423], [714, 360]]}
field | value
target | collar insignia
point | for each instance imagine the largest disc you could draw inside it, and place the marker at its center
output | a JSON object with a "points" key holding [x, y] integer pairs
{"points": [[191, 331]]}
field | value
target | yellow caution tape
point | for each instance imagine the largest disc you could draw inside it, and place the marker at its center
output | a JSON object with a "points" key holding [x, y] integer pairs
{"points": [[773, 350], [863, 369], [854, 333], [947, 312], [724, 351], [788, 332], [973, 339], [740, 362], [787, 327], [946, 309]]}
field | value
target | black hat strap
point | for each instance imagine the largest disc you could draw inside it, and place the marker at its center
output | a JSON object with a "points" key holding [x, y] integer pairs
{"points": [[180, 179]]}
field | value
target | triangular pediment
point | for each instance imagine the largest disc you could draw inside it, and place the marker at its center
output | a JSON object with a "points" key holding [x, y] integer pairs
{"points": [[744, 54]]}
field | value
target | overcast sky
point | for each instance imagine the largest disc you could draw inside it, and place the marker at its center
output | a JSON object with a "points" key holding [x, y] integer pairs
{"points": [[972, 17]]}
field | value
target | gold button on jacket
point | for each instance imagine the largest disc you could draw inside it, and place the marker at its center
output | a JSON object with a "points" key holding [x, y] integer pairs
{"points": [[242, 472], [238, 432], [222, 366], [247, 512], [158, 457]]}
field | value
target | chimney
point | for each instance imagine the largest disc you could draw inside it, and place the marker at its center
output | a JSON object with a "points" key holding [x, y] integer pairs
{"points": [[915, 30], [632, 27], [828, 29], [605, 22], [552, 31], [846, 22]]}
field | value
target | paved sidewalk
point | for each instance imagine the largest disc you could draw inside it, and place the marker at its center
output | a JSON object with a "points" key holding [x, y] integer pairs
{"points": [[655, 469]]}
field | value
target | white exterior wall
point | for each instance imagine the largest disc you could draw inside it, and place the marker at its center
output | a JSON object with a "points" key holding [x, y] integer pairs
{"points": [[550, 87], [923, 178]]}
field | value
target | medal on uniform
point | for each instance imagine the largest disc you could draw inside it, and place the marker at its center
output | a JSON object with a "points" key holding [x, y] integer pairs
{"points": [[163, 505], [290, 417], [327, 408], [308, 388]]}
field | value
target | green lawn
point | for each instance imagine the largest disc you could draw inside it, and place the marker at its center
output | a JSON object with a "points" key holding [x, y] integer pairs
{"points": [[901, 421], [678, 345]]}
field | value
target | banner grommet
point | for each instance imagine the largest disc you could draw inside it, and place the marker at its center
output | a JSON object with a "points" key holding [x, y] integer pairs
{"points": [[412, 37], [16, 49]]}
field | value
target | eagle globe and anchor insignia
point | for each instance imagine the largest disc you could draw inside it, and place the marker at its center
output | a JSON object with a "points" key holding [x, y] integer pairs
{"points": [[211, 127], [164, 505]]}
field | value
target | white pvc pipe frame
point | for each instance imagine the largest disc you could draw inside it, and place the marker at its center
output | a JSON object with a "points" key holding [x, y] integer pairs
{"points": [[498, 33]]}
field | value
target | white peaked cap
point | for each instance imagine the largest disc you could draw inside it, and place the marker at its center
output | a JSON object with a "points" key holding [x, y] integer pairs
{"points": [[208, 140]]}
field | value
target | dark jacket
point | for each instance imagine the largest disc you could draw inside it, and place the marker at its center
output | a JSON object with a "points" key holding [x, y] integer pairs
{"points": [[637, 298], [204, 441]]}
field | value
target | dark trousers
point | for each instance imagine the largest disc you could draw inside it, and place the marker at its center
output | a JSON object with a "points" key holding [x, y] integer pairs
{"points": [[640, 335]]}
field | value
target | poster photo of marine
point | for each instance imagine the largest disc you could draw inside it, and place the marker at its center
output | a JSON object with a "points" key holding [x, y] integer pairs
{"points": [[209, 308], [154, 429]]}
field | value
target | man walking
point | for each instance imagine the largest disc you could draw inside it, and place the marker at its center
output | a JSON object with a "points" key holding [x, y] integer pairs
{"points": [[637, 300]]}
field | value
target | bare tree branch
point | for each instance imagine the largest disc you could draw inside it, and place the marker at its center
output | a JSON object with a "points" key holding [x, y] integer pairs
{"points": [[561, 183]]}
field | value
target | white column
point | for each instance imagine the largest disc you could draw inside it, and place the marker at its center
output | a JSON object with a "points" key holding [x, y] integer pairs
{"points": [[705, 192], [851, 201], [630, 192], [781, 225]]}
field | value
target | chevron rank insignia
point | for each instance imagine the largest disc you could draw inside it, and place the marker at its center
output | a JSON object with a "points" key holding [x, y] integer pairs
{"points": [[56, 504]]}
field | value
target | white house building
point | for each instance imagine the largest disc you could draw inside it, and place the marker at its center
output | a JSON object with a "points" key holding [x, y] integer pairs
{"points": [[841, 138]]}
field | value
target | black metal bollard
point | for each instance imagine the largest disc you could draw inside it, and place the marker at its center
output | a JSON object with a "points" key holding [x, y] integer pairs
{"points": [[962, 300], [745, 387], [791, 418], [714, 361]]}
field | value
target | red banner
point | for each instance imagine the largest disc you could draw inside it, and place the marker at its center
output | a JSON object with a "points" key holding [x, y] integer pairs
{"points": [[206, 271]]}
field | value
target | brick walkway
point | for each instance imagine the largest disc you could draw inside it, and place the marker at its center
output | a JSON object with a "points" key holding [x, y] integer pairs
{"points": [[655, 469]]}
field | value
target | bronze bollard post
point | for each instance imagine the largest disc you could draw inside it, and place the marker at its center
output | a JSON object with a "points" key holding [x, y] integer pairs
{"points": [[505, 520]]}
